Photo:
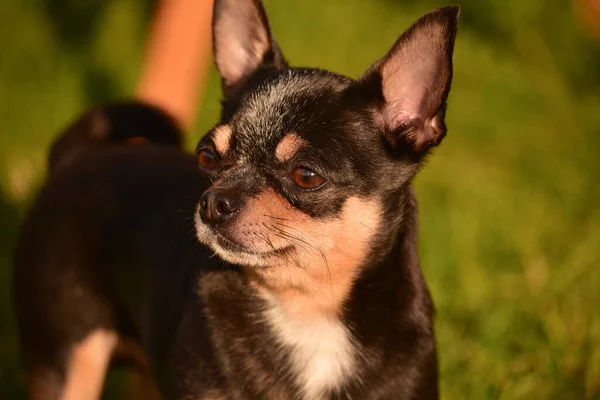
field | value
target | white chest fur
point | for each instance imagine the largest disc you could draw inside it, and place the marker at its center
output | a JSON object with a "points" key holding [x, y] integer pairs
{"points": [[322, 353]]}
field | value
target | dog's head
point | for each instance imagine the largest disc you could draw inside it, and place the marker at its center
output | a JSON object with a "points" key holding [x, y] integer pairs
{"points": [[309, 167]]}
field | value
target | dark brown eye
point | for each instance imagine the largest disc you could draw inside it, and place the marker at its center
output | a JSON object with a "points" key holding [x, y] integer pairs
{"points": [[207, 159], [307, 179]]}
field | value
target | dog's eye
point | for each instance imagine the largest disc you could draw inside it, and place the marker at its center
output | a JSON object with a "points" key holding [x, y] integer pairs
{"points": [[307, 179], [207, 159]]}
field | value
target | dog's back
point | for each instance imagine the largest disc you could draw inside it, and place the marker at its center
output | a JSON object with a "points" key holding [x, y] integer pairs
{"points": [[94, 233], [124, 122]]}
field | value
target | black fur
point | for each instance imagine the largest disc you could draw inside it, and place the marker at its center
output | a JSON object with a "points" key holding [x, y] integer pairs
{"points": [[110, 241]]}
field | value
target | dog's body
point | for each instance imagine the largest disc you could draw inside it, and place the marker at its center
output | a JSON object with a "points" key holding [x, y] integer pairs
{"points": [[302, 192]]}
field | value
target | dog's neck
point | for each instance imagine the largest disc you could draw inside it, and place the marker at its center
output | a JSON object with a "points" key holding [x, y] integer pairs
{"points": [[317, 293]]}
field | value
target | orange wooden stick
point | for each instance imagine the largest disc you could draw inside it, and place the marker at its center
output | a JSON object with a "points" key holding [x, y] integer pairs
{"points": [[175, 68]]}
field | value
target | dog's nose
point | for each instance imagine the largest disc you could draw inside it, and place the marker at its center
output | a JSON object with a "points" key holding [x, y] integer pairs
{"points": [[216, 206]]}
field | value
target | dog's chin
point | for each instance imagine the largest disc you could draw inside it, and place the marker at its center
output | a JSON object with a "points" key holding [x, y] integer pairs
{"points": [[233, 252]]}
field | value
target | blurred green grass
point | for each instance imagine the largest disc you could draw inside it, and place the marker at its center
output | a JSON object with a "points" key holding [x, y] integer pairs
{"points": [[510, 216]]}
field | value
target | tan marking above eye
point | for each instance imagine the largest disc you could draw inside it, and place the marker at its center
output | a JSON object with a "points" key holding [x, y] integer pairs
{"points": [[221, 137], [288, 147]]}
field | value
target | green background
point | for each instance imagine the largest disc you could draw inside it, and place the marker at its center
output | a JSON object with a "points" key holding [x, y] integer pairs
{"points": [[510, 216]]}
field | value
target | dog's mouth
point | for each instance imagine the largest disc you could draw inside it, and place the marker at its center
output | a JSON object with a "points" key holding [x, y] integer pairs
{"points": [[233, 246], [231, 250]]}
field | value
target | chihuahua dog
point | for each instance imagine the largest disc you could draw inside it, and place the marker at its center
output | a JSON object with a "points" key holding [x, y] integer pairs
{"points": [[279, 263]]}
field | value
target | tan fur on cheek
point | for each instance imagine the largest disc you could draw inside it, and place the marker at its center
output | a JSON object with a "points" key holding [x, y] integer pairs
{"points": [[327, 254], [345, 244], [221, 138], [288, 147], [261, 226]]}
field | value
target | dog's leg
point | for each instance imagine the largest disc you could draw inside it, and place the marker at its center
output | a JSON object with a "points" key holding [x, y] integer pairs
{"points": [[141, 384], [142, 387], [88, 362]]}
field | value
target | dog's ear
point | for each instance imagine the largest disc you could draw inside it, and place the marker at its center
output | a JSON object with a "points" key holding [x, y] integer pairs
{"points": [[410, 85], [242, 42]]}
